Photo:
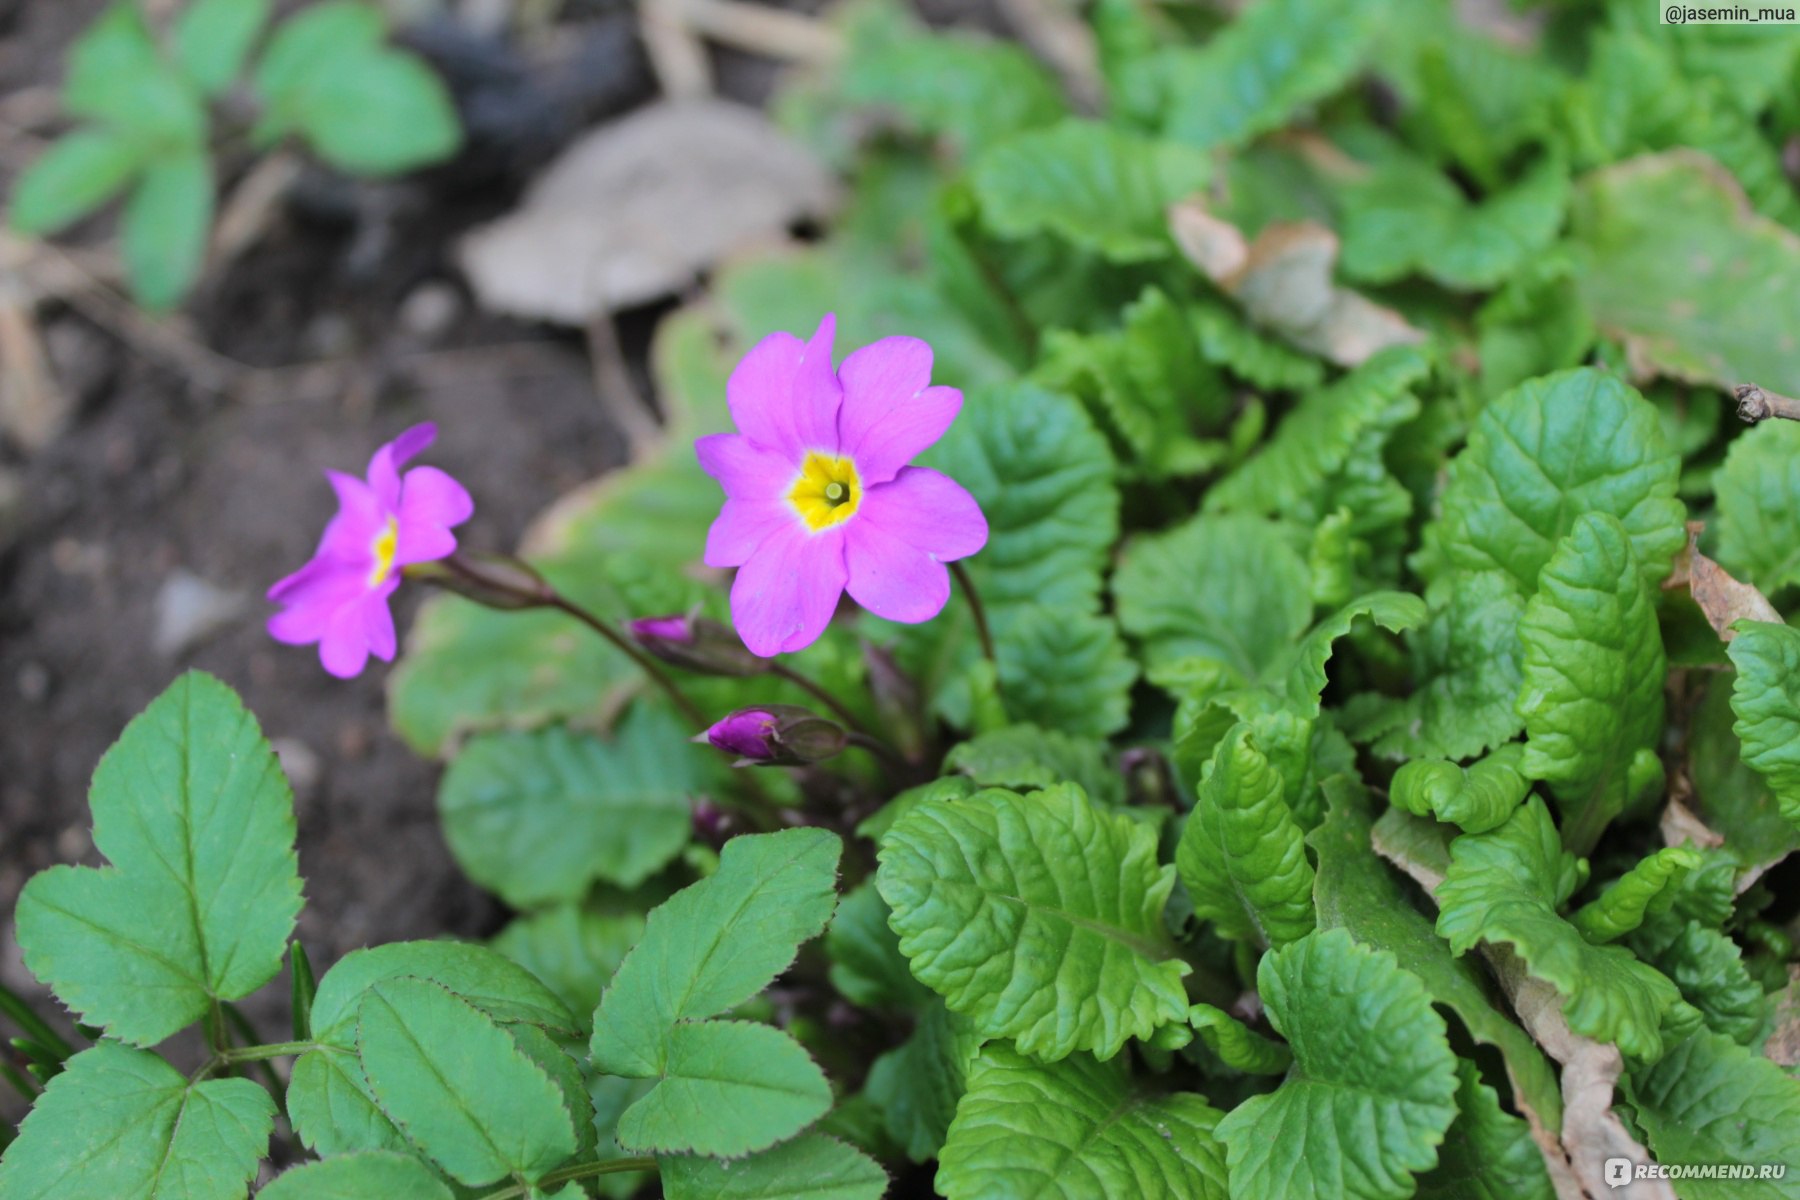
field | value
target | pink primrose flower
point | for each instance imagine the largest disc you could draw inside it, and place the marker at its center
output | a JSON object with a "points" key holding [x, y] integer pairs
{"points": [[339, 599], [819, 496]]}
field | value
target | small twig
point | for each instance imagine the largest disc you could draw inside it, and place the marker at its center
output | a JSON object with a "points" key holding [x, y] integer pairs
{"points": [[980, 615], [618, 395], [769, 32], [676, 55], [1755, 404]]}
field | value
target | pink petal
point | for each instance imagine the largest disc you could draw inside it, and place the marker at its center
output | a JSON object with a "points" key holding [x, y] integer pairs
{"points": [[744, 525], [344, 649], [893, 578], [784, 396], [744, 469], [384, 466], [430, 504], [926, 509], [350, 535], [890, 412], [310, 597], [378, 620], [784, 596]]}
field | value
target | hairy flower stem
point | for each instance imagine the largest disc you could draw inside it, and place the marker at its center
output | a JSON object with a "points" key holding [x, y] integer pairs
{"points": [[882, 752], [813, 689], [981, 621], [644, 662], [578, 1171]]}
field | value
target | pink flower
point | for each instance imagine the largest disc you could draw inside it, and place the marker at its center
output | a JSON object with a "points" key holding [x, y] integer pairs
{"points": [[340, 598], [819, 496]]}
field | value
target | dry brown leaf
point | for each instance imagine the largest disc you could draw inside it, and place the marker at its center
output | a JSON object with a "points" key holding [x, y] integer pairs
{"points": [[1783, 1045], [636, 210], [1283, 281], [1722, 599]]}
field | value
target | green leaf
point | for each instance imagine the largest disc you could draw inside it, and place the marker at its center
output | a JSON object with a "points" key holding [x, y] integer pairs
{"points": [[1241, 856], [1024, 757], [867, 967], [1065, 669], [1356, 891], [1504, 887], [118, 76], [1593, 668], [1710, 1100], [1094, 186], [1758, 493], [1475, 798], [1533, 325], [334, 28], [1228, 340], [1039, 916], [1730, 796], [191, 809], [213, 37], [1254, 604], [1373, 1085], [1236, 1044], [707, 949], [1766, 699], [917, 1085], [71, 179], [1487, 1153], [1277, 57], [1720, 320], [1075, 1129], [1412, 219], [1546, 453], [164, 228], [1709, 969], [459, 1085], [572, 950], [1465, 677], [811, 1167], [118, 1122], [1621, 907], [369, 1175], [539, 817]]}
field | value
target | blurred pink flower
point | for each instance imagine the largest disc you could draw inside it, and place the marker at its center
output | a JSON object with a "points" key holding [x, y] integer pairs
{"points": [[819, 496], [340, 598]]}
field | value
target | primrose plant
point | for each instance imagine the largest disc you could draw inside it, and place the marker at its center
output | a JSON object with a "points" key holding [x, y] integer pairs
{"points": [[153, 103]]}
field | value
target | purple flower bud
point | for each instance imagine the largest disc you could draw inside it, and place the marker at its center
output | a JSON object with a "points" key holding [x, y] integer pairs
{"points": [[777, 735], [662, 629], [745, 733], [695, 643]]}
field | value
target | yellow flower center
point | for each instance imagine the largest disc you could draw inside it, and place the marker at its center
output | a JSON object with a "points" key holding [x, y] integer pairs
{"points": [[383, 548], [827, 491]]}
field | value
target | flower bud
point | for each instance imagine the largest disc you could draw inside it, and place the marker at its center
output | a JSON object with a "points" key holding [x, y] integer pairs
{"points": [[776, 735], [493, 580], [696, 644]]}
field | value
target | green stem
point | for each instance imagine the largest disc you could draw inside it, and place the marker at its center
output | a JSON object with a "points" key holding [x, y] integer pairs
{"points": [[247, 1031], [24, 1084], [817, 692], [578, 1171], [644, 662], [30, 1024], [270, 1050]]}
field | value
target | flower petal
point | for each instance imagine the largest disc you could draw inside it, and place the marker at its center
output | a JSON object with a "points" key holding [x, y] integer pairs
{"points": [[385, 464], [784, 596], [929, 510], [742, 526], [378, 621], [744, 469], [344, 648], [431, 503], [784, 396], [891, 577], [890, 412], [349, 536], [311, 597]]}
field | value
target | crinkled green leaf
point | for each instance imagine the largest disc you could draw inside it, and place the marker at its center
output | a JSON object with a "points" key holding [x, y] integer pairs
{"points": [[1766, 699], [1095, 186], [1064, 669], [573, 951], [1241, 857], [164, 227], [709, 948], [1229, 341], [1229, 588], [1038, 916], [1535, 323], [1759, 506], [1730, 796], [459, 1086], [1275, 58], [1722, 319], [369, 1175], [1465, 677], [538, 817], [1074, 1129], [1373, 1085], [1505, 886], [1487, 1153], [1710, 1100], [121, 1122], [1621, 907], [75, 176], [1299, 677], [191, 809], [1356, 891], [1475, 798], [1411, 219], [811, 1167], [213, 37], [1546, 453], [867, 967], [118, 76], [1709, 969], [917, 1084], [1024, 757], [1592, 670], [1236, 1044]]}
